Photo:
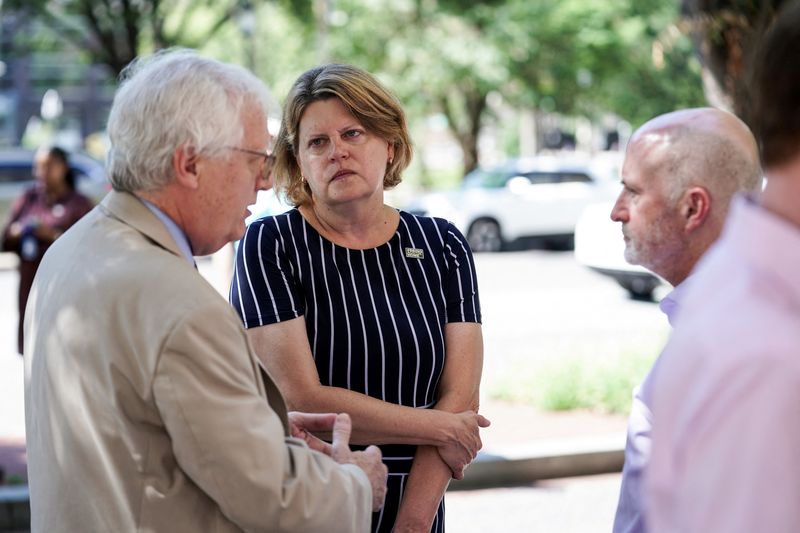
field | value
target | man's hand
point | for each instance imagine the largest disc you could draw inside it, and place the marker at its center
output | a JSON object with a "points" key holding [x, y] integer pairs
{"points": [[369, 460], [307, 425], [464, 442]]}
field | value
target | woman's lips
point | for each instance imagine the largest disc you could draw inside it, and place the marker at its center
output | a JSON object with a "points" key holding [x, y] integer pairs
{"points": [[341, 174]]}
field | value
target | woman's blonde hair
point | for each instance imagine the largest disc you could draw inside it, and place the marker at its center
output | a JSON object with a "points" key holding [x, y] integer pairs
{"points": [[377, 109]]}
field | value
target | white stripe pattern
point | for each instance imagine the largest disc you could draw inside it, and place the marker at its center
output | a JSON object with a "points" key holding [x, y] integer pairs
{"points": [[375, 318]]}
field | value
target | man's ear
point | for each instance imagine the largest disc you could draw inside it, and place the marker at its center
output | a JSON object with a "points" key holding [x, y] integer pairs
{"points": [[696, 207], [184, 164]]}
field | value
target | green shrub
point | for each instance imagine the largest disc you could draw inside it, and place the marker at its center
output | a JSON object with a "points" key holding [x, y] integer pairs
{"points": [[604, 384]]}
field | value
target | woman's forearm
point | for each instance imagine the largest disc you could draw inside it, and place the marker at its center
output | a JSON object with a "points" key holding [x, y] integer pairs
{"points": [[459, 390], [424, 489], [376, 421], [283, 350], [427, 482], [11, 237]]}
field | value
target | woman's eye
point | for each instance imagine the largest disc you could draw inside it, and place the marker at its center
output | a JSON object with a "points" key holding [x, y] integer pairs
{"points": [[352, 133], [316, 142]]}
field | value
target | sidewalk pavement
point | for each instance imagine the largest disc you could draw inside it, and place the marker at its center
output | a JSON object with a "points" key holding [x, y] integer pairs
{"points": [[522, 445], [525, 444], [12, 416]]}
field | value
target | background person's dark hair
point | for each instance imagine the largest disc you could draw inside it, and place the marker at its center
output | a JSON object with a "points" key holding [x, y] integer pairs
{"points": [[774, 87], [61, 155]]}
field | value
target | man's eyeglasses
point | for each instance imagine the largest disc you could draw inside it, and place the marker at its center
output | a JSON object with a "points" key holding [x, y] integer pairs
{"points": [[266, 165]]}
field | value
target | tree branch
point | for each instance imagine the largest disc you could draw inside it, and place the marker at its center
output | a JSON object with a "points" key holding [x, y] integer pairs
{"points": [[131, 18], [72, 33], [105, 38], [223, 19]]}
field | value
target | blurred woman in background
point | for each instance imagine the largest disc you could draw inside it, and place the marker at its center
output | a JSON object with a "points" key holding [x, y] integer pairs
{"points": [[40, 216]]}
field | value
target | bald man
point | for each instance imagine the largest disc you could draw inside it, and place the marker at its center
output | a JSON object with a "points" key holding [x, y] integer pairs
{"points": [[680, 172]]}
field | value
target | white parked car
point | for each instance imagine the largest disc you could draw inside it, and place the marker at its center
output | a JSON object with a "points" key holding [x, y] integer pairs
{"points": [[599, 245], [541, 197], [267, 204]]}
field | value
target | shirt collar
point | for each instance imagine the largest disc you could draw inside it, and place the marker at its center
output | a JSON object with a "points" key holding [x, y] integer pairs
{"points": [[671, 303], [174, 230]]}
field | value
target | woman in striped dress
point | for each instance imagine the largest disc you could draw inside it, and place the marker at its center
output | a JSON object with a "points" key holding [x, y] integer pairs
{"points": [[354, 306]]}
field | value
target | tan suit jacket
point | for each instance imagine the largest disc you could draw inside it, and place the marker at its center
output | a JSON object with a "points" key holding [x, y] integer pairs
{"points": [[145, 404]]}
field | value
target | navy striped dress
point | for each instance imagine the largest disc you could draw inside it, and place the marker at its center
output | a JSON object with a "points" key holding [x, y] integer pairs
{"points": [[375, 318]]}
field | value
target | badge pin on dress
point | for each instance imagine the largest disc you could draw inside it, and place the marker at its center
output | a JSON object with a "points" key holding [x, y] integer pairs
{"points": [[415, 253]]}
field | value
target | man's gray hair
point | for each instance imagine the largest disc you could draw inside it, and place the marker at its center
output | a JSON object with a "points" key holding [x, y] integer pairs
{"points": [[710, 159], [173, 98]]}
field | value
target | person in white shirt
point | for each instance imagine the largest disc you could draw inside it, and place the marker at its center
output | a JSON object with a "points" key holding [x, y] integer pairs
{"points": [[680, 172], [726, 404]]}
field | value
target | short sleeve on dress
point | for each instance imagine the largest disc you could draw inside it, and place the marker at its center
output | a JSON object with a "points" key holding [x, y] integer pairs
{"points": [[460, 283], [264, 290]]}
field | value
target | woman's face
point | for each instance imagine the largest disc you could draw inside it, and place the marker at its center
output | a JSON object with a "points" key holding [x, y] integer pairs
{"points": [[50, 171], [341, 161]]}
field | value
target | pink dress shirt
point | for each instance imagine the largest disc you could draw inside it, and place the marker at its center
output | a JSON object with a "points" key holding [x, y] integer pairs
{"points": [[726, 404]]}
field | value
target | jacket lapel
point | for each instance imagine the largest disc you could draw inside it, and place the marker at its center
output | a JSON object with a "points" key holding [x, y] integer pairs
{"points": [[130, 210]]}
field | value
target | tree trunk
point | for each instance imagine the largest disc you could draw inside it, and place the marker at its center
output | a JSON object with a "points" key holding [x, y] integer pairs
{"points": [[467, 130]]}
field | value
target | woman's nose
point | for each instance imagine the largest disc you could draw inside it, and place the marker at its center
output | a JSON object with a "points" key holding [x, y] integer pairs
{"points": [[339, 149]]}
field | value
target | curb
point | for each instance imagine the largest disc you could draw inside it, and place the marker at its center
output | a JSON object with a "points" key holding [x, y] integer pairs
{"points": [[552, 460]]}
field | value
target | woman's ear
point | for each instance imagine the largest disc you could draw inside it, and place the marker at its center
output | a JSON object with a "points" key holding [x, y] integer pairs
{"points": [[696, 207], [184, 164]]}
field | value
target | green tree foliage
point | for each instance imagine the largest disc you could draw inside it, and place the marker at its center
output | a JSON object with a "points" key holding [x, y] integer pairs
{"points": [[579, 57], [566, 56], [113, 32], [450, 57]]}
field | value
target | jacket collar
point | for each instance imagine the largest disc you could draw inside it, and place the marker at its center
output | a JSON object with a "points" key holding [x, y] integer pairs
{"points": [[130, 210]]}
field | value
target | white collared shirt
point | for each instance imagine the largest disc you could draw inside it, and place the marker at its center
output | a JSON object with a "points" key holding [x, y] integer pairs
{"points": [[630, 508]]}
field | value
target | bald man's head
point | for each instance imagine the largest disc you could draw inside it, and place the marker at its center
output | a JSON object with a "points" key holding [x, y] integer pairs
{"points": [[681, 170], [703, 147]]}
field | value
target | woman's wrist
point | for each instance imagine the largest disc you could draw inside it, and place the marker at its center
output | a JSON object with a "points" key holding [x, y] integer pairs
{"points": [[438, 425]]}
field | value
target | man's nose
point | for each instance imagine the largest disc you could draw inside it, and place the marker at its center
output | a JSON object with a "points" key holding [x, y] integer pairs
{"points": [[619, 213]]}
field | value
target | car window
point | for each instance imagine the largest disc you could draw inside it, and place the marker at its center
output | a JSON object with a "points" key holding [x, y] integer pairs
{"points": [[487, 179], [574, 177], [15, 173], [542, 177]]}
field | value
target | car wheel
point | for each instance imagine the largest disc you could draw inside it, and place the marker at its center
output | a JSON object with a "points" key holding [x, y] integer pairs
{"points": [[639, 288], [484, 236], [561, 243]]}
